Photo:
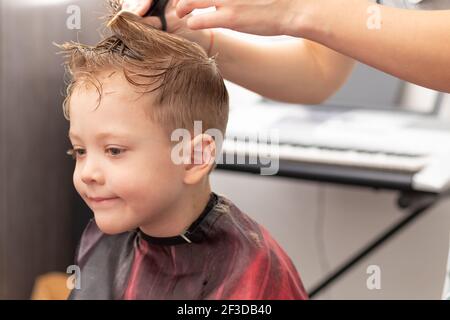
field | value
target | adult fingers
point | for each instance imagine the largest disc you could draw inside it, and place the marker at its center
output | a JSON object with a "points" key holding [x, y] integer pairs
{"points": [[215, 19], [185, 7]]}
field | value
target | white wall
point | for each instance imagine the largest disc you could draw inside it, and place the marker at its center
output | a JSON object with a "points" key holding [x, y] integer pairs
{"points": [[319, 222]]}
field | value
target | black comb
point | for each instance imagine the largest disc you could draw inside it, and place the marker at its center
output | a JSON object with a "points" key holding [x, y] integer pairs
{"points": [[158, 9]]}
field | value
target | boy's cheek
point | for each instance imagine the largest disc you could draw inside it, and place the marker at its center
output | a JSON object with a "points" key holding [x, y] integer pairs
{"points": [[75, 181], [77, 185]]}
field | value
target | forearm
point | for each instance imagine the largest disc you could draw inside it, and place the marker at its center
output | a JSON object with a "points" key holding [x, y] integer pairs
{"points": [[297, 71], [411, 45]]}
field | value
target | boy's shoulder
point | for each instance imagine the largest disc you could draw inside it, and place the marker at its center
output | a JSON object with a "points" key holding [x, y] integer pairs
{"points": [[93, 238], [239, 226], [100, 258], [257, 266]]}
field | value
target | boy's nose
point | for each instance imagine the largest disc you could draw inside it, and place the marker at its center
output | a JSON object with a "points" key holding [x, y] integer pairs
{"points": [[91, 173]]}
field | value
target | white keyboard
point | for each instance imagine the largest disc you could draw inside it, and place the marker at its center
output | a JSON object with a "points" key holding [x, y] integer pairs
{"points": [[352, 158], [378, 140]]}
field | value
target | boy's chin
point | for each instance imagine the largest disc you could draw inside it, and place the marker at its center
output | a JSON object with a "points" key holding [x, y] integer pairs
{"points": [[110, 226]]}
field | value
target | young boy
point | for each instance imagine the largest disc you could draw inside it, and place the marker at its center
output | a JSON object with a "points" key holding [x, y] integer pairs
{"points": [[159, 232]]}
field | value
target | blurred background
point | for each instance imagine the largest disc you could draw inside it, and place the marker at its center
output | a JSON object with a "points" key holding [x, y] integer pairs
{"points": [[319, 224]]}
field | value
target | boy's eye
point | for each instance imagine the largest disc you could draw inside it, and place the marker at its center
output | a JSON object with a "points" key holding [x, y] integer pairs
{"points": [[115, 151], [76, 152], [79, 152]]}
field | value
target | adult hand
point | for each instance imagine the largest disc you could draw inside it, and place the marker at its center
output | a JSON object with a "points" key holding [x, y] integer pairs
{"points": [[261, 17], [175, 24]]}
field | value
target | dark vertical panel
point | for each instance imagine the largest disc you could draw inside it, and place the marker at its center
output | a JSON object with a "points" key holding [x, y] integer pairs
{"points": [[2, 166], [38, 200]]}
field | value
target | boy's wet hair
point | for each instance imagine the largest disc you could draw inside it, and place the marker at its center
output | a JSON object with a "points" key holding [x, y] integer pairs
{"points": [[185, 84]]}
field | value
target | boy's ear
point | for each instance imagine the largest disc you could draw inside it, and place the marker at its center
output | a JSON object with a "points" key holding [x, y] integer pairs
{"points": [[203, 155]]}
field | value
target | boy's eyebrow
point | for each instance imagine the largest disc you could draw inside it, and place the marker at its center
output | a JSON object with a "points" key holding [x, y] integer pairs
{"points": [[101, 135]]}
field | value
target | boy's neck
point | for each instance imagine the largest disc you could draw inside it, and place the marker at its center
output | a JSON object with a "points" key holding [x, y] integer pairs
{"points": [[182, 214]]}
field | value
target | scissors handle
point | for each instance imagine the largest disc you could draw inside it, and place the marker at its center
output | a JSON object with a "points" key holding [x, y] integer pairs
{"points": [[158, 9]]}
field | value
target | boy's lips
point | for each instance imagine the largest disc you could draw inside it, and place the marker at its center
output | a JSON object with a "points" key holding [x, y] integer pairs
{"points": [[101, 200]]}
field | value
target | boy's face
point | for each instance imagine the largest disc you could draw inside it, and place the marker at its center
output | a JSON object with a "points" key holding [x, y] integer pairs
{"points": [[122, 156]]}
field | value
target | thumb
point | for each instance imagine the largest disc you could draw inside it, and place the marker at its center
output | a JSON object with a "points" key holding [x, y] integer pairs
{"points": [[214, 19]]}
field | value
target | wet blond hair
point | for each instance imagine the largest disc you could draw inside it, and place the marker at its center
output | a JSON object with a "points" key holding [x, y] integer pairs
{"points": [[185, 83]]}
